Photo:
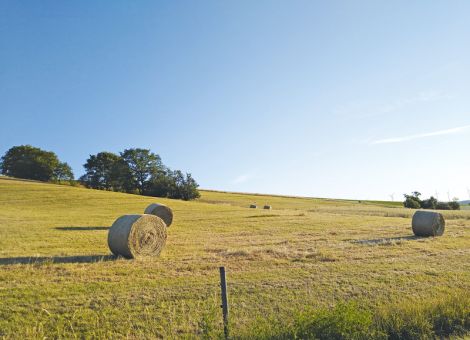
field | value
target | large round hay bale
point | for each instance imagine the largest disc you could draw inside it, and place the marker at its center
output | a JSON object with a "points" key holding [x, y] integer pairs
{"points": [[137, 236], [267, 207], [253, 206], [162, 211], [428, 223]]}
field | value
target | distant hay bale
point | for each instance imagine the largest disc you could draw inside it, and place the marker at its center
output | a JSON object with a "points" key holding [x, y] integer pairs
{"points": [[134, 236], [428, 223], [267, 207], [253, 206], [162, 211]]}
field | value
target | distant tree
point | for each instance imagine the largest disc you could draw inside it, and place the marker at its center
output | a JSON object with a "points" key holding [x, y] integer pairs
{"points": [[443, 206], [416, 194], [454, 205], [106, 171], [161, 184], [143, 165], [430, 203], [63, 172], [174, 184], [183, 187], [26, 161], [137, 171], [412, 201]]}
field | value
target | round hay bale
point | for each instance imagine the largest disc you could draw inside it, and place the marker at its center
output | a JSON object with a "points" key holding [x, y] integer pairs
{"points": [[253, 206], [428, 223], [162, 211], [137, 236], [267, 207]]}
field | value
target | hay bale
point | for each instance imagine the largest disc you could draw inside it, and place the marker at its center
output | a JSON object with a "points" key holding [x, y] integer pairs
{"points": [[137, 235], [428, 223], [253, 206], [267, 207], [162, 211]]}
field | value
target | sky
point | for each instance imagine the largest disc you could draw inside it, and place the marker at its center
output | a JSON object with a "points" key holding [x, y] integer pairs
{"points": [[339, 99]]}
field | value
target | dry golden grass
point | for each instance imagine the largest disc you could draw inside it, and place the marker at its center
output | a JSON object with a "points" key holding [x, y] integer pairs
{"points": [[58, 280]]}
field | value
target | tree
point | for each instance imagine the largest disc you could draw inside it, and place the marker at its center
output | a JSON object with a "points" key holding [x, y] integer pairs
{"points": [[143, 165], [173, 184], [26, 161], [454, 205], [161, 184], [107, 171], [412, 201], [183, 187], [63, 172], [430, 203]]}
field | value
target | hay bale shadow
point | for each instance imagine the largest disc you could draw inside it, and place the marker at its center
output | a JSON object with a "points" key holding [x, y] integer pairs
{"points": [[57, 259], [388, 240], [81, 228]]}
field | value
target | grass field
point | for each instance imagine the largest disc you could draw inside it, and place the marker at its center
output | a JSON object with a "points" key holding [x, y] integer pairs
{"points": [[57, 279]]}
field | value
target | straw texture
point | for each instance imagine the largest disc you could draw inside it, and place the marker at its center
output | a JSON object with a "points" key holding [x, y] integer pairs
{"points": [[428, 223], [162, 211], [134, 236]]}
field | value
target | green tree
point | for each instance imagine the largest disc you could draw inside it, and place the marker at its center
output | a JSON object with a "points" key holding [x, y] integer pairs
{"points": [[430, 203], [412, 201], [143, 166], [26, 161], [454, 205], [173, 184], [183, 187], [63, 172], [106, 171]]}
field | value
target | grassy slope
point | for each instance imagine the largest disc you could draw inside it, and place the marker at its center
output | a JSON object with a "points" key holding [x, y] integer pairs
{"points": [[55, 278]]}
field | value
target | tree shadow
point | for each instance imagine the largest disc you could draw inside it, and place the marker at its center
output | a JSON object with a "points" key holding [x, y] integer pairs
{"points": [[385, 240], [82, 228], [57, 259]]}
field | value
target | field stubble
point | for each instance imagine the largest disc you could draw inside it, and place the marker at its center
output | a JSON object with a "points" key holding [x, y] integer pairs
{"points": [[58, 280]]}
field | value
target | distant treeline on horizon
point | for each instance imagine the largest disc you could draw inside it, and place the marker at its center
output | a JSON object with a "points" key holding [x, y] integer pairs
{"points": [[133, 170]]}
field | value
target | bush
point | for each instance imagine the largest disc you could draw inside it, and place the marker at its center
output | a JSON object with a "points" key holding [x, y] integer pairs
{"points": [[430, 203], [454, 205], [412, 203]]}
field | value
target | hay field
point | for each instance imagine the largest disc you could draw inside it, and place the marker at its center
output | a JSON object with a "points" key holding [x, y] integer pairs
{"points": [[57, 278]]}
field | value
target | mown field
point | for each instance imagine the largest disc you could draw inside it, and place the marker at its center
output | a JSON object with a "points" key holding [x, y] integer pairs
{"points": [[57, 279]]}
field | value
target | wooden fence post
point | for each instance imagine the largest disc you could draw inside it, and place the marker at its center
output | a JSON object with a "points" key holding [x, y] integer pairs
{"points": [[225, 310]]}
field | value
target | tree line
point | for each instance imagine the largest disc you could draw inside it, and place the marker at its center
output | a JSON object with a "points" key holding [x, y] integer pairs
{"points": [[133, 170], [414, 201]]}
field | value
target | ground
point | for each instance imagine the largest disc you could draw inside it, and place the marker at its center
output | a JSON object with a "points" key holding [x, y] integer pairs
{"points": [[57, 278]]}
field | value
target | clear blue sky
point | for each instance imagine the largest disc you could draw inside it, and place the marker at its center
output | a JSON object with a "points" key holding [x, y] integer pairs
{"points": [[348, 99]]}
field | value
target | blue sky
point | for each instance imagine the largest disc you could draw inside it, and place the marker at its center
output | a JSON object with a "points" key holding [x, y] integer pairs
{"points": [[342, 99]]}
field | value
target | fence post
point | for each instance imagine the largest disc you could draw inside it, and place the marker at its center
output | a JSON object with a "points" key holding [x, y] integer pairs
{"points": [[224, 306]]}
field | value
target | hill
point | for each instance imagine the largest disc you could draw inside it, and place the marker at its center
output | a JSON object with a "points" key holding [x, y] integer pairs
{"points": [[59, 281]]}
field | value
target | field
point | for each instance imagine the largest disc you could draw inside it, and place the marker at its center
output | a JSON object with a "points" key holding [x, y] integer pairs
{"points": [[57, 279]]}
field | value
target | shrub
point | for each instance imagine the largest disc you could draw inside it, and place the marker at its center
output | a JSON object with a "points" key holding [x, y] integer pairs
{"points": [[412, 203], [430, 203], [454, 205]]}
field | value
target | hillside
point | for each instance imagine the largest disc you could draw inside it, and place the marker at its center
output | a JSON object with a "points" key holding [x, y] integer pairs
{"points": [[58, 280]]}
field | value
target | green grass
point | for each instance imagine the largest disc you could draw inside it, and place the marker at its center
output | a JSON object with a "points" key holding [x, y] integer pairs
{"points": [[287, 268]]}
